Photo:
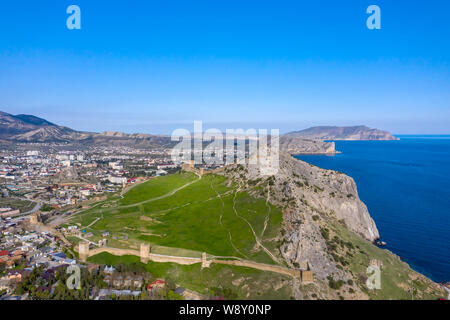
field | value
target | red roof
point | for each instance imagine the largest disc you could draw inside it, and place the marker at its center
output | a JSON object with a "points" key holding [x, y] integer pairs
{"points": [[158, 281], [150, 285], [4, 253]]}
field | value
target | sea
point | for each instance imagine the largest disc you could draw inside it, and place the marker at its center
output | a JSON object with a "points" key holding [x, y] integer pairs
{"points": [[406, 186]]}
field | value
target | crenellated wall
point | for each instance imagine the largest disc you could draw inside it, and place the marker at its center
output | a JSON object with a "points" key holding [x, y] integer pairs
{"points": [[145, 255], [265, 267]]}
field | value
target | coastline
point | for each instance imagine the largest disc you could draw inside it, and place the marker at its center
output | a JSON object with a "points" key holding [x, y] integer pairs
{"points": [[444, 285], [404, 187]]}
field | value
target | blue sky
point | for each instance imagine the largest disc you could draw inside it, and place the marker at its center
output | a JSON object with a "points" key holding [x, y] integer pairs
{"points": [[153, 66]]}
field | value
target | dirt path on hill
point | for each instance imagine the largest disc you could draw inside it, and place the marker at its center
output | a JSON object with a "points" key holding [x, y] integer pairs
{"points": [[66, 219], [62, 220], [171, 193], [220, 222], [128, 188], [92, 223], [237, 261], [269, 209], [258, 241]]}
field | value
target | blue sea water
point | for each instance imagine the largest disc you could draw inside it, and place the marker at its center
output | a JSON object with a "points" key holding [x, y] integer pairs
{"points": [[406, 187]]}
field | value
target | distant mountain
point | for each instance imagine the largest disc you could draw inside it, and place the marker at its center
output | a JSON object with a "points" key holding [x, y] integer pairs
{"points": [[34, 120], [11, 125], [29, 128], [342, 133], [50, 134]]}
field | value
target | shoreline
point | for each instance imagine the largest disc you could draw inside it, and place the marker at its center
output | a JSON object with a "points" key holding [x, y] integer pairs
{"points": [[436, 276]]}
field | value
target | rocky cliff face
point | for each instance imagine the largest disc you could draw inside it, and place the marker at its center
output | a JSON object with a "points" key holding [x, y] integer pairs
{"points": [[296, 145], [310, 195], [316, 195], [327, 191], [328, 230]]}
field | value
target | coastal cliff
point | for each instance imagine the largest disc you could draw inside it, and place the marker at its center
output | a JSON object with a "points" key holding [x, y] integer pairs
{"points": [[296, 145], [328, 230]]}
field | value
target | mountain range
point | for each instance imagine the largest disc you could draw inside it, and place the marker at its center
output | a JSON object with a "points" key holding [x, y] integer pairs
{"points": [[29, 128]]}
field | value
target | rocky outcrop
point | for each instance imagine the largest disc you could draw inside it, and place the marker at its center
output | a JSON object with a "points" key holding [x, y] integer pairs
{"points": [[296, 145], [308, 193]]}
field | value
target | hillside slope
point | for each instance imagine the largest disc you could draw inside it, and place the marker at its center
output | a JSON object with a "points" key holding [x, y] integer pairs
{"points": [[303, 218], [328, 230]]}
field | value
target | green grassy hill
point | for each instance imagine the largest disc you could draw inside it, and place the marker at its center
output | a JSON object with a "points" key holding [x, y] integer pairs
{"points": [[205, 216], [184, 215], [243, 283]]}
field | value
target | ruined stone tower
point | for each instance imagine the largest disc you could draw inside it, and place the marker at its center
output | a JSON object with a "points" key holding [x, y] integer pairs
{"points": [[83, 250], [205, 262], [307, 277], [33, 219], [144, 252]]}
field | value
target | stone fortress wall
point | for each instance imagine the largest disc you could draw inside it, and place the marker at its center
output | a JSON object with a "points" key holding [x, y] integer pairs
{"points": [[145, 255]]}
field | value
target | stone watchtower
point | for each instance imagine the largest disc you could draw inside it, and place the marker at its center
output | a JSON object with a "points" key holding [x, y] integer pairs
{"points": [[205, 262], [144, 252], [307, 277], [83, 250], [35, 218]]}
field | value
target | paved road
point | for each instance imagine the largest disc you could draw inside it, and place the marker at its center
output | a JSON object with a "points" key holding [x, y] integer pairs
{"points": [[36, 208]]}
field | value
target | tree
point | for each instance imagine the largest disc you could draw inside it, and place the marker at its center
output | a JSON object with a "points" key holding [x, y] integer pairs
{"points": [[173, 296], [170, 284]]}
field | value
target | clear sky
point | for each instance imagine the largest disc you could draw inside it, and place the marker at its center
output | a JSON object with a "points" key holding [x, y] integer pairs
{"points": [[153, 66]]}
